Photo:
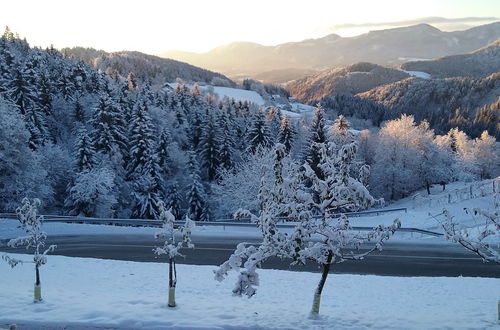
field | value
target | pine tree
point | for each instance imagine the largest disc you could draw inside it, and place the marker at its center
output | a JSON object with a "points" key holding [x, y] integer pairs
{"points": [[173, 201], [46, 96], [195, 195], [20, 90], [339, 132], [209, 148], [258, 136], [142, 140], [109, 126], [163, 152], [226, 142], [317, 136], [84, 152], [286, 133], [78, 112]]}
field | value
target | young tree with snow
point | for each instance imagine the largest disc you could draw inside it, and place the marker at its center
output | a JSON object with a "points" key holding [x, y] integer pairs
{"points": [[170, 246], [35, 239], [336, 191]]}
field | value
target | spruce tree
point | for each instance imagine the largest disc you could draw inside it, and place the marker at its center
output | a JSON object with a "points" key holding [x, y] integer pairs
{"points": [[84, 152], [141, 141], [209, 148], [258, 136], [286, 134], [226, 142], [109, 126], [317, 136], [163, 152], [173, 201], [196, 194]]}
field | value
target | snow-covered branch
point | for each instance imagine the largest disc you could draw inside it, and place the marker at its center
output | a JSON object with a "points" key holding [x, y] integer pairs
{"points": [[483, 240]]}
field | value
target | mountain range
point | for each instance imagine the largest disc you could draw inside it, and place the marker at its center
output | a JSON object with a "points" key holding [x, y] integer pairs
{"points": [[390, 47]]}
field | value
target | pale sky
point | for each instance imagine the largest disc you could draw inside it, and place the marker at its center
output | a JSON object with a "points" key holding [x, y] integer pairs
{"points": [[154, 26]]}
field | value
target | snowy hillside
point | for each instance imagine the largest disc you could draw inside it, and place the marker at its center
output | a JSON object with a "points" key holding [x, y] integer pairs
{"points": [[425, 211]]}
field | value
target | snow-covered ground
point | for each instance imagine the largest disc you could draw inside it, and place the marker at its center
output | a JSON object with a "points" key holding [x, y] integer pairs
{"points": [[424, 211], [418, 74], [234, 93], [94, 292]]}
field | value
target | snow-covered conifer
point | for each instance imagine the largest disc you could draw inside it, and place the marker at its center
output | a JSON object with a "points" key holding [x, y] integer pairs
{"points": [[196, 192], [258, 135], [84, 152], [317, 136], [287, 132], [209, 148], [173, 201]]}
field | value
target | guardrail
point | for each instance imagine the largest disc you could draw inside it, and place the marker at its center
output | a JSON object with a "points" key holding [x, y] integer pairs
{"points": [[51, 217], [155, 223]]}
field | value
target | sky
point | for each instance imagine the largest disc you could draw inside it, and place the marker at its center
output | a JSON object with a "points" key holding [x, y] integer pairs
{"points": [[155, 26]]}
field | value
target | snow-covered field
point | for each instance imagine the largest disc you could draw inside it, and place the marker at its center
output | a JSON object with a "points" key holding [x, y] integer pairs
{"points": [[418, 74], [234, 93], [95, 292]]}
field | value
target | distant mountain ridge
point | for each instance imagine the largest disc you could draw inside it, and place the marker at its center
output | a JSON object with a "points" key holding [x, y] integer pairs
{"points": [[384, 47], [153, 69], [479, 63]]}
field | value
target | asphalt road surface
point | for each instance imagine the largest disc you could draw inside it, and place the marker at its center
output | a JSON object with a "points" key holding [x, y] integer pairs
{"points": [[397, 259]]}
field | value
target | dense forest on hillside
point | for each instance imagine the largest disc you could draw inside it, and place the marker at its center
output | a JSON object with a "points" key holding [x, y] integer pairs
{"points": [[152, 69], [94, 144]]}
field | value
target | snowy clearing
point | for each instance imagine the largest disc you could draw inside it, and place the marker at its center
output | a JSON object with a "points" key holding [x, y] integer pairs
{"points": [[234, 93], [418, 74], [134, 295]]}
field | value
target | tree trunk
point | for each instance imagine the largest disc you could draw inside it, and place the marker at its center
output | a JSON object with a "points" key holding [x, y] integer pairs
{"points": [[321, 284], [38, 287], [428, 186], [171, 282]]}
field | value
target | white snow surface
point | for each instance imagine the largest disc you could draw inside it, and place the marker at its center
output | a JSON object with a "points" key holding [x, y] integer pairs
{"points": [[86, 292], [418, 74], [234, 93]]}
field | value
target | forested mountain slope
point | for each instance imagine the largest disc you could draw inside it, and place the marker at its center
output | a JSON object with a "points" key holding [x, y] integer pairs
{"points": [[471, 104], [479, 63], [352, 79], [153, 69]]}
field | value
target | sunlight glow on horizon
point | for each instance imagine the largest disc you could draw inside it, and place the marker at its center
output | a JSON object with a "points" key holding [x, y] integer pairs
{"points": [[156, 26]]}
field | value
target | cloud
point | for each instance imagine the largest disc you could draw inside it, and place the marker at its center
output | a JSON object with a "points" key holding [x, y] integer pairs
{"points": [[447, 24]]}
